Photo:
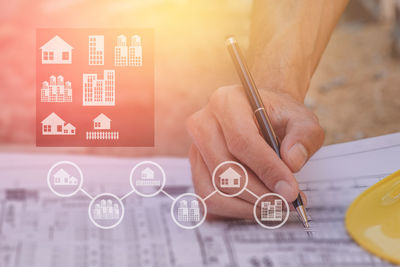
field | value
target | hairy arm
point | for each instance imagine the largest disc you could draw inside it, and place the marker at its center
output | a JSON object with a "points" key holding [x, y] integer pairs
{"points": [[287, 40]]}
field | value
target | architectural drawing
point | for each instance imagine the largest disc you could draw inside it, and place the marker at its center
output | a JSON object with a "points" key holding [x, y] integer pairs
{"points": [[96, 49], [56, 51], [106, 210], [128, 55], [230, 178], [186, 214], [61, 177], [97, 92], [271, 212], [55, 90], [54, 125]]}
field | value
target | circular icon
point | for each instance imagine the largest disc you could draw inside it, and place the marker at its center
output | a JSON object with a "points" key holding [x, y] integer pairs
{"points": [[232, 178], [147, 179], [65, 178], [273, 211], [186, 211], [106, 211]]}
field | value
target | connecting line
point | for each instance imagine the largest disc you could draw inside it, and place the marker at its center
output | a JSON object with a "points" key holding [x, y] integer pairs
{"points": [[251, 193], [168, 195], [86, 193], [127, 195], [210, 195]]}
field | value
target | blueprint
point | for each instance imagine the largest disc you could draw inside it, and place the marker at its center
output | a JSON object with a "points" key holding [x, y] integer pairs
{"points": [[38, 228]]}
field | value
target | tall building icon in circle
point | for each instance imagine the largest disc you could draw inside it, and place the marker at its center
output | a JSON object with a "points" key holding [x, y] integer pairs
{"points": [[186, 214]]}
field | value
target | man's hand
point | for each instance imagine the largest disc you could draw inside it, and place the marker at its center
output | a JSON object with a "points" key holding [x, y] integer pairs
{"points": [[226, 130]]}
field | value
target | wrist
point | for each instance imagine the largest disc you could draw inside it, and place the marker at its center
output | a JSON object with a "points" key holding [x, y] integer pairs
{"points": [[293, 80], [283, 66]]}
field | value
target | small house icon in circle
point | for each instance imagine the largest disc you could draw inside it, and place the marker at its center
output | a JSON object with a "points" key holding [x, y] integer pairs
{"points": [[230, 178], [147, 174]]}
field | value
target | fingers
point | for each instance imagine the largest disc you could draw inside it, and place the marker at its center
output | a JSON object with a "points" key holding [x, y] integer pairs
{"points": [[304, 136], [245, 143], [216, 204], [211, 144]]}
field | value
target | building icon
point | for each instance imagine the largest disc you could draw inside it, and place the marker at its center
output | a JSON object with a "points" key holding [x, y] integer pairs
{"points": [[54, 125], [56, 51], [61, 177], [128, 55], [186, 214], [230, 178], [106, 210], [271, 212], [102, 129], [147, 178], [55, 90], [147, 174], [102, 122], [98, 92], [96, 49]]}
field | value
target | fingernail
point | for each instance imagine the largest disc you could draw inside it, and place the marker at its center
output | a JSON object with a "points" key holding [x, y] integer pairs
{"points": [[285, 189], [297, 156]]}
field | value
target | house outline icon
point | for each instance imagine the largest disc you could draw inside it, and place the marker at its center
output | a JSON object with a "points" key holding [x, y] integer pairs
{"points": [[54, 125], [56, 51], [147, 174], [61, 177], [102, 122], [230, 178]]}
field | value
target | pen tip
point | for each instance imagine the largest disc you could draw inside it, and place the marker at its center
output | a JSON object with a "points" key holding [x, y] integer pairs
{"points": [[301, 211]]}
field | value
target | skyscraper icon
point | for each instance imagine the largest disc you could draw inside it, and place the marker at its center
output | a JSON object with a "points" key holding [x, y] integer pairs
{"points": [[135, 51], [96, 49], [128, 56], [97, 92], [186, 214], [271, 212], [106, 210]]}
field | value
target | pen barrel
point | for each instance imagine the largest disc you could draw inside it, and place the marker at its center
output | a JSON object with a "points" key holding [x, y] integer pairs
{"points": [[261, 116], [264, 125], [245, 76]]}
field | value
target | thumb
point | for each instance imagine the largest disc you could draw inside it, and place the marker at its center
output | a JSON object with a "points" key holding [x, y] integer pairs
{"points": [[303, 137]]}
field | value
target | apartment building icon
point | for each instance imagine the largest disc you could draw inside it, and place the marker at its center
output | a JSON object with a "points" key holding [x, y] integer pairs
{"points": [[99, 92], [106, 210], [128, 55], [55, 90], [271, 212], [186, 214], [96, 49]]}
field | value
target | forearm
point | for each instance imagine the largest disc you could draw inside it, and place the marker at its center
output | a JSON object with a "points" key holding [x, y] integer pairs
{"points": [[287, 40]]}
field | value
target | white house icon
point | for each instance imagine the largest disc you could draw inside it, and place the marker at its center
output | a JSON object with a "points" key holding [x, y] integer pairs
{"points": [[56, 51], [230, 178], [61, 177], [147, 173], [54, 125], [102, 122]]}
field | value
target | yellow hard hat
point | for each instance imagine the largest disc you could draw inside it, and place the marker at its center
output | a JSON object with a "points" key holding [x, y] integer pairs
{"points": [[373, 219]]}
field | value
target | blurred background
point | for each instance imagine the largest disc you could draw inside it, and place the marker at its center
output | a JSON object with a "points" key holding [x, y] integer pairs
{"points": [[354, 92]]}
